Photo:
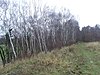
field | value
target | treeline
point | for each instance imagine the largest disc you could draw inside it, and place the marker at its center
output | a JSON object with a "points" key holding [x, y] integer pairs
{"points": [[90, 34], [44, 30]]}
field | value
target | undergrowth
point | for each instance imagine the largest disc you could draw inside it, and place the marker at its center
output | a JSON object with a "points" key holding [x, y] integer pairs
{"points": [[77, 59]]}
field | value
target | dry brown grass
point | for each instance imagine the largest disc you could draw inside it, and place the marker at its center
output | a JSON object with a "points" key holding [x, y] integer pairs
{"points": [[93, 46]]}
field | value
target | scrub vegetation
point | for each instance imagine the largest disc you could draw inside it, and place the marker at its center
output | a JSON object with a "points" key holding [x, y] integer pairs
{"points": [[77, 59]]}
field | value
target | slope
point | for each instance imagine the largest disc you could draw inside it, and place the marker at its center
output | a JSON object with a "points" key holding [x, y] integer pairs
{"points": [[77, 59]]}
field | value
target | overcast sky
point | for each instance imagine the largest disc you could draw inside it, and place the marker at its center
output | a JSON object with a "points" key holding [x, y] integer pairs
{"points": [[87, 11]]}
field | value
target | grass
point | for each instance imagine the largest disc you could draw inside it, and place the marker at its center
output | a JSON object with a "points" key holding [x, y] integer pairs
{"points": [[77, 59]]}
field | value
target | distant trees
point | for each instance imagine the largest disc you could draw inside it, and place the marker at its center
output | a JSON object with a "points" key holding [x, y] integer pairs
{"points": [[91, 33]]}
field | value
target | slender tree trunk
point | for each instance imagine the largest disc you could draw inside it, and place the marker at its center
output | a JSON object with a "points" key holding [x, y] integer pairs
{"points": [[12, 45], [39, 40], [28, 50]]}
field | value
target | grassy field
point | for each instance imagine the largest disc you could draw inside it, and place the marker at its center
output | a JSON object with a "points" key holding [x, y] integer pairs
{"points": [[77, 59]]}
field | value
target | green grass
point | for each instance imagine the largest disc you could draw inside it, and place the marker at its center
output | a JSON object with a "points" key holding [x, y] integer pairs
{"points": [[3, 46], [77, 59]]}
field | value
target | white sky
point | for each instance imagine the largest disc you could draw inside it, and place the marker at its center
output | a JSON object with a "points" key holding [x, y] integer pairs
{"points": [[87, 11]]}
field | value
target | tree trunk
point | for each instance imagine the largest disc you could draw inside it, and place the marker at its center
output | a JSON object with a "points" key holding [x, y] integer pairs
{"points": [[12, 45]]}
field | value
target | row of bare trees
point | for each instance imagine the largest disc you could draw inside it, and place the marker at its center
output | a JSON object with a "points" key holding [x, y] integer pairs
{"points": [[27, 34]]}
